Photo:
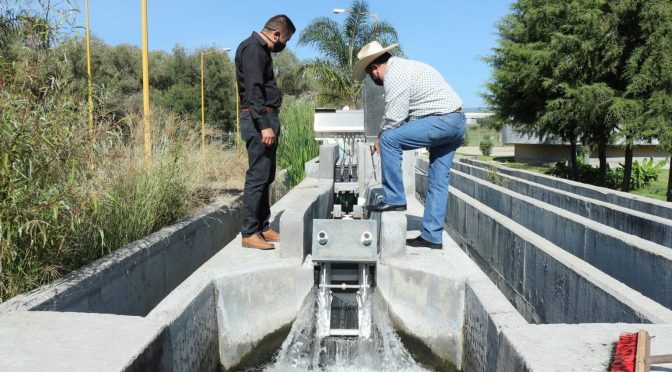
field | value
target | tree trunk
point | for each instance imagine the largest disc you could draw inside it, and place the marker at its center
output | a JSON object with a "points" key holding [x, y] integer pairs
{"points": [[602, 155], [572, 159], [669, 186], [627, 169]]}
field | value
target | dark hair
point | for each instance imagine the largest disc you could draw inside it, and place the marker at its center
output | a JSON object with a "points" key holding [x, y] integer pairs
{"points": [[280, 23], [382, 59]]}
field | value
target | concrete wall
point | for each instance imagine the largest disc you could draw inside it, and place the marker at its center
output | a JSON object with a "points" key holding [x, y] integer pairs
{"points": [[36, 341], [640, 264], [428, 306], [190, 318], [646, 226], [522, 264], [444, 299], [646, 205], [579, 348], [252, 304], [312, 198], [136, 277], [487, 313], [544, 154]]}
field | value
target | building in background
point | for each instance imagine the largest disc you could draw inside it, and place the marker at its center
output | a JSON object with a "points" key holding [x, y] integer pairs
{"points": [[530, 149]]}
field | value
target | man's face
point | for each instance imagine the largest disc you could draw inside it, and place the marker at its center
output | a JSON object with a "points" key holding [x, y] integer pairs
{"points": [[374, 73], [280, 40]]}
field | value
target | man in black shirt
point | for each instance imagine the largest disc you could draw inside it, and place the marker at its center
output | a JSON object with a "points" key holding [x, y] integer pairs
{"points": [[260, 100]]}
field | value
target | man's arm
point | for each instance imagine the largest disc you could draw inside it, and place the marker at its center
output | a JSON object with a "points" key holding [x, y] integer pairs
{"points": [[253, 73], [397, 98]]}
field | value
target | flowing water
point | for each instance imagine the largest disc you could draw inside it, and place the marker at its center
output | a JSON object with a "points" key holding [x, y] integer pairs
{"points": [[303, 349]]}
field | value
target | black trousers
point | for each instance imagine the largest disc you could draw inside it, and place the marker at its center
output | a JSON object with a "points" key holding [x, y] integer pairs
{"points": [[260, 174]]}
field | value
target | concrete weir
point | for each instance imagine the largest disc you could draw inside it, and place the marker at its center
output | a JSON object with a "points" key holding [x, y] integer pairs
{"points": [[506, 293]]}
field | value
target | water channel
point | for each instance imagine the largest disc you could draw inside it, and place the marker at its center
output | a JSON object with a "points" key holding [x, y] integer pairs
{"points": [[384, 350]]}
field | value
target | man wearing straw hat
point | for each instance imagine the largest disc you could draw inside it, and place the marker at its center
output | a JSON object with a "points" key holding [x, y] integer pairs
{"points": [[421, 110]]}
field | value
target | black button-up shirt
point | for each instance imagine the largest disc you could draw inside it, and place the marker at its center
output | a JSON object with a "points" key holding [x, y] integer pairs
{"points": [[256, 81]]}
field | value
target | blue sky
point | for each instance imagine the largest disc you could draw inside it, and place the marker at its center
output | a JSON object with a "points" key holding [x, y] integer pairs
{"points": [[452, 36]]}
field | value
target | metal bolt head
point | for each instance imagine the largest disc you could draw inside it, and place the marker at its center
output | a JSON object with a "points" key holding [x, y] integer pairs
{"points": [[366, 238], [322, 238]]}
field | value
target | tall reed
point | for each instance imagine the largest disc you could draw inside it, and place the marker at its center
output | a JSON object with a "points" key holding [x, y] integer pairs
{"points": [[297, 142]]}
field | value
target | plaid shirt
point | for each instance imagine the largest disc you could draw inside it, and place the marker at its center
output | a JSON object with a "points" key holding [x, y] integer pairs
{"points": [[414, 90]]}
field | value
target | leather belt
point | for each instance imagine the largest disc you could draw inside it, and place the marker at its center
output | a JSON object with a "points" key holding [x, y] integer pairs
{"points": [[458, 110], [268, 109]]}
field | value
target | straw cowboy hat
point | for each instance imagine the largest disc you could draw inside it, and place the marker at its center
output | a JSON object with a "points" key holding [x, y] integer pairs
{"points": [[368, 54]]}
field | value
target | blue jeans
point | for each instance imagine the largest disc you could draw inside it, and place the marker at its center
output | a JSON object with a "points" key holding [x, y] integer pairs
{"points": [[443, 135]]}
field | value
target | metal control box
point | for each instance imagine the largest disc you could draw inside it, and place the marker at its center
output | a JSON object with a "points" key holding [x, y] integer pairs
{"points": [[353, 241]]}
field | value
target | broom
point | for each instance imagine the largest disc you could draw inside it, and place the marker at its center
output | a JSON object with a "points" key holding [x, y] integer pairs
{"points": [[633, 354]]}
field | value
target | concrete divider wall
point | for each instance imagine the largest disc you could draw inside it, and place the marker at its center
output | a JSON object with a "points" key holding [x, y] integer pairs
{"points": [[35, 341], [568, 347], [313, 198], [134, 278], [554, 286], [638, 203], [427, 306], [190, 317], [646, 226], [310, 199], [253, 304], [545, 283], [640, 264], [487, 313]]}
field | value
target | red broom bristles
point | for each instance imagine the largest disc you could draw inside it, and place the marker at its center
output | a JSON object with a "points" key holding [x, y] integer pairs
{"points": [[624, 357]]}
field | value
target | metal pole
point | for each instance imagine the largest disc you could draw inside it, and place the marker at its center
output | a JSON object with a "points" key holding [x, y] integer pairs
{"points": [[88, 67], [237, 114], [202, 103], [145, 83], [375, 25]]}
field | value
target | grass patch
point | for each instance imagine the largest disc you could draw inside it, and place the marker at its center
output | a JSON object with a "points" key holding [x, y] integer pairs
{"points": [[656, 189], [67, 201]]}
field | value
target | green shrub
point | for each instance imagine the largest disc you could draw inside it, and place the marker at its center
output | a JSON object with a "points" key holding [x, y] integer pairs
{"points": [[297, 142], [486, 146], [642, 174], [69, 195]]}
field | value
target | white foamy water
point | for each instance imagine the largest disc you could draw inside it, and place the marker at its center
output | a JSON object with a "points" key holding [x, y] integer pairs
{"points": [[304, 350]]}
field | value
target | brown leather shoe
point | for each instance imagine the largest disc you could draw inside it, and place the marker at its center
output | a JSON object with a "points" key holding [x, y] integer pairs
{"points": [[271, 235], [256, 241]]}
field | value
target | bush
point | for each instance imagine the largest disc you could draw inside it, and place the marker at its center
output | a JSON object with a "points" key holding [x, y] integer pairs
{"points": [[69, 194], [642, 175], [486, 146], [297, 142]]}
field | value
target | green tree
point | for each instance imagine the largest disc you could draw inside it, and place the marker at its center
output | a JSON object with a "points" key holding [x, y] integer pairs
{"points": [[339, 46], [290, 76], [558, 72], [651, 68], [520, 91]]}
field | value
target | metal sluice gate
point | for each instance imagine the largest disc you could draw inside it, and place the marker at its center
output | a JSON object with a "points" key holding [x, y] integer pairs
{"points": [[345, 247], [345, 254]]}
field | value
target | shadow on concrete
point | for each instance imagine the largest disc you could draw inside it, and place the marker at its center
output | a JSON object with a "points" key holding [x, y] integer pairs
{"points": [[275, 222], [413, 222]]}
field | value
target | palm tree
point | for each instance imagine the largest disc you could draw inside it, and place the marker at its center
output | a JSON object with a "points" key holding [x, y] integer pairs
{"points": [[339, 45]]}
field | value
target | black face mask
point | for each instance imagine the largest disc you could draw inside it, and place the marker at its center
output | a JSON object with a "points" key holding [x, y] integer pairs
{"points": [[278, 46]]}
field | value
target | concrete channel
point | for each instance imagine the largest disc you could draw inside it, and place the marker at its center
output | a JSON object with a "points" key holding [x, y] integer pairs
{"points": [[498, 297], [525, 281]]}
